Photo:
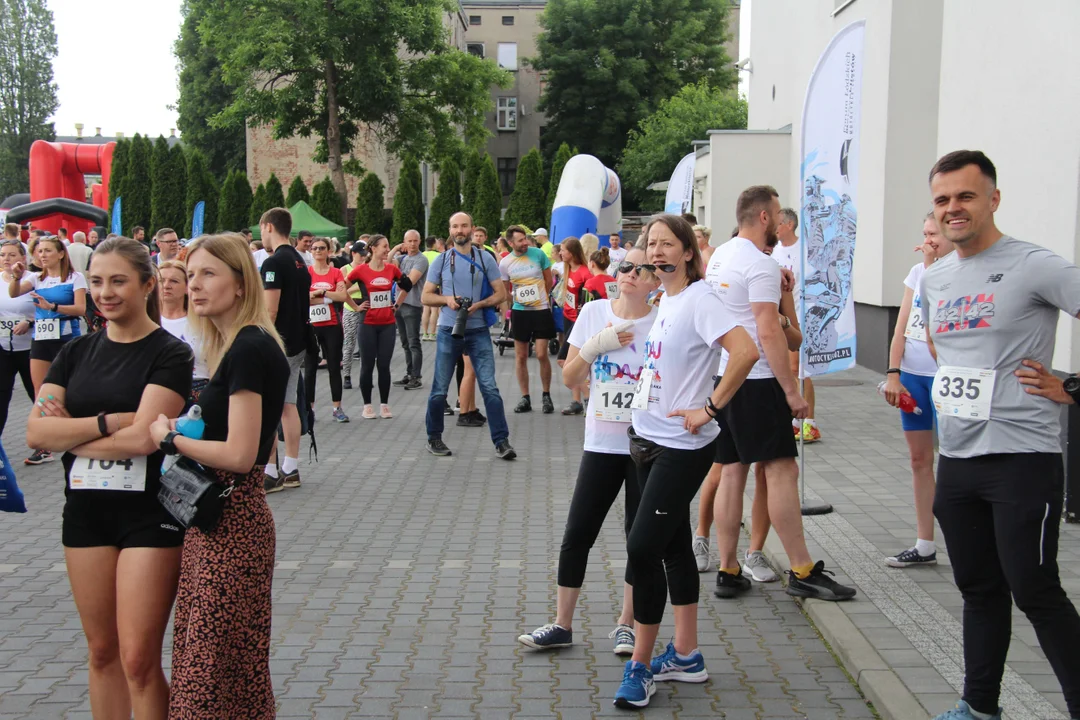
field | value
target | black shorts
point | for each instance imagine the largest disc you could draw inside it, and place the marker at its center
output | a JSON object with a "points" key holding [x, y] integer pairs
{"points": [[527, 325], [568, 326], [756, 425], [47, 350], [102, 519]]}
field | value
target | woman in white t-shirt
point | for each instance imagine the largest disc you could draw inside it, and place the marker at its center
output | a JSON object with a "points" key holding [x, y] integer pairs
{"points": [[174, 318], [16, 319], [911, 371], [671, 440], [606, 347]]}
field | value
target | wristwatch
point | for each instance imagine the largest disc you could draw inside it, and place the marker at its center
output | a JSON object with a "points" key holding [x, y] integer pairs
{"points": [[1072, 387], [168, 443]]}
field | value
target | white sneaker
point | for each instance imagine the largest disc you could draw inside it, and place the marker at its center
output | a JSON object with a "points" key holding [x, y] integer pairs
{"points": [[757, 567], [701, 553]]}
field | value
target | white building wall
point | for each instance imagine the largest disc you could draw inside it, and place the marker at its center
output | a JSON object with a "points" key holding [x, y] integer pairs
{"points": [[736, 160]]}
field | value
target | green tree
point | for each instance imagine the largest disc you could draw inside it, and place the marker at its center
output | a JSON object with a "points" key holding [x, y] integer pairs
{"points": [[258, 204], [315, 67], [178, 188], [408, 201], [226, 219], [527, 205], [205, 93], [161, 172], [275, 196], [325, 200], [119, 170], [244, 199], [138, 184], [473, 163], [370, 204], [199, 187], [487, 211], [447, 198], [609, 63], [659, 141], [297, 191], [562, 156], [27, 91]]}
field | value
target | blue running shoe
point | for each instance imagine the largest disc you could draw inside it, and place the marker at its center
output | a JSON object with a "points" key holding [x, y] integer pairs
{"points": [[962, 711], [547, 637], [637, 687], [669, 667]]}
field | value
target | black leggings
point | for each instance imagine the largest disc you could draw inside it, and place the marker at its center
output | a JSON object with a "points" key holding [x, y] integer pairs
{"points": [[660, 537], [600, 476], [1000, 516], [331, 338], [12, 364], [376, 348]]}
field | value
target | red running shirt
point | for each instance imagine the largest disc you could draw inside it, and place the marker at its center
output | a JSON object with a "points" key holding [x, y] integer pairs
{"points": [[377, 291], [575, 298], [597, 285], [329, 283]]}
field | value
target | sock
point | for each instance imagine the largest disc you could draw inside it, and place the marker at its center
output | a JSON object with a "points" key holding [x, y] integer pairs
{"points": [[686, 657], [271, 471], [925, 547], [796, 423], [289, 465], [803, 571], [810, 422], [526, 397], [731, 571], [547, 394]]}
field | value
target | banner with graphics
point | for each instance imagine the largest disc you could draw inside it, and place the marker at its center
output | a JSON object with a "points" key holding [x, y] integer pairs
{"points": [[829, 210], [117, 221], [680, 189], [197, 218]]}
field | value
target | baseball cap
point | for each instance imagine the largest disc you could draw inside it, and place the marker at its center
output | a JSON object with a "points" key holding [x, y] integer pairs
{"points": [[540, 231]]}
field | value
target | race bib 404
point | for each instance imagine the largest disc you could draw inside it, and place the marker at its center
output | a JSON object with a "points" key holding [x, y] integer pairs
{"points": [[963, 392], [380, 299]]}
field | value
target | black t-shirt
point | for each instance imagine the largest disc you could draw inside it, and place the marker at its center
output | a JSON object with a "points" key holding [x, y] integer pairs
{"points": [[253, 362], [100, 375], [286, 271]]}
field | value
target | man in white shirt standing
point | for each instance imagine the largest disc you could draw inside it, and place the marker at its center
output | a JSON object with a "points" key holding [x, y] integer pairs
{"points": [[788, 254], [79, 252], [756, 423]]}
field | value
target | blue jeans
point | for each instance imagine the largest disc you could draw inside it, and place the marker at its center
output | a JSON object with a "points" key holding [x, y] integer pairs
{"points": [[477, 345]]}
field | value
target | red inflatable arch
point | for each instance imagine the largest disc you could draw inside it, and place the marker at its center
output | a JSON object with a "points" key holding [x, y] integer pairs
{"points": [[57, 171]]}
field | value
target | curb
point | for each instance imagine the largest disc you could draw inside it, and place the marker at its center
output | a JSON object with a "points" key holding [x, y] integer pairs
{"points": [[879, 683]]}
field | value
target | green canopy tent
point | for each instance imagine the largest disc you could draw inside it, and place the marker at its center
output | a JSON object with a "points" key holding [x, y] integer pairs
{"points": [[304, 218]]}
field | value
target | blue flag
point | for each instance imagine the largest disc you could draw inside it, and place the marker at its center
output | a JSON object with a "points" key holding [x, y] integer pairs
{"points": [[117, 225], [197, 219]]}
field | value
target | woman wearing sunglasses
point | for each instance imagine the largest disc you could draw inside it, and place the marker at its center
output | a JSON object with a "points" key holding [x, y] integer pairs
{"points": [[605, 352], [671, 440]]}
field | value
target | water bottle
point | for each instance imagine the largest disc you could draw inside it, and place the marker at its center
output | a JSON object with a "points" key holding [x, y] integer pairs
{"points": [[907, 403], [190, 426]]}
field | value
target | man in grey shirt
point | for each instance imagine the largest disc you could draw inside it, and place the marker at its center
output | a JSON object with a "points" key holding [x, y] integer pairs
{"points": [[991, 311], [412, 262]]}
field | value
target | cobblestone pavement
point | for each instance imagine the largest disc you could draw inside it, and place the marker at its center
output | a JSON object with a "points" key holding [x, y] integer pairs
{"points": [[403, 581]]}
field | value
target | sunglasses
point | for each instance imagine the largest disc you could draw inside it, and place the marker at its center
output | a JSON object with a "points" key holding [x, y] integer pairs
{"points": [[627, 267]]}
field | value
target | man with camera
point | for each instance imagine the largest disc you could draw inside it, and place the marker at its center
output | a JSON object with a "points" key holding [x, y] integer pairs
{"points": [[466, 285]]}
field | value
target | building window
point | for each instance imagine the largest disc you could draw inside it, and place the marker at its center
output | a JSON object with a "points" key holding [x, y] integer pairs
{"points": [[507, 113], [507, 174], [474, 19], [508, 56], [476, 49], [508, 19]]}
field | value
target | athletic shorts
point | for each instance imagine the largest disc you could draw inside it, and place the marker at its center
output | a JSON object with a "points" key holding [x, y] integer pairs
{"points": [[126, 523], [47, 350], [527, 325], [565, 349], [756, 425], [296, 364], [919, 386]]}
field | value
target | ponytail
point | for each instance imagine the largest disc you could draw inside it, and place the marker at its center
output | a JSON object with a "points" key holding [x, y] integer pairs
{"points": [[601, 259]]}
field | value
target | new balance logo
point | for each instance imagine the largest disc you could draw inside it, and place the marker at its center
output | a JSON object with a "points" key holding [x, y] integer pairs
{"points": [[995, 278]]}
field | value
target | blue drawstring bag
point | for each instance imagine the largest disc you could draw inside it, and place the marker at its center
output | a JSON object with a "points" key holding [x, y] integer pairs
{"points": [[11, 497]]}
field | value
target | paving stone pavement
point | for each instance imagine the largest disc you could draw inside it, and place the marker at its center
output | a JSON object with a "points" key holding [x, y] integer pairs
{"points": [[403, 581]]}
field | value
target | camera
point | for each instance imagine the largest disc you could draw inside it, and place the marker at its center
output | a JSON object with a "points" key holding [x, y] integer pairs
{"points": [[462, 318]]}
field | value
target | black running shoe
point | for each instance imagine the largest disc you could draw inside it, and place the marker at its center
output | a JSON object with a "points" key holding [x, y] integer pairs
{"points": [[436, 446], [39, 457], [273, 484], [448, 411], [504, 451], [347, 383], [414, 384], [818, 585], [549, 407], [469, 420], [729, 586], [910, 557], [524, 405], [575, 408], [402, 382]]}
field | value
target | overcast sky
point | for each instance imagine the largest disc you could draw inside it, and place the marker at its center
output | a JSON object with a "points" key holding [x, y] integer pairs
{"points": [[115, 66]]}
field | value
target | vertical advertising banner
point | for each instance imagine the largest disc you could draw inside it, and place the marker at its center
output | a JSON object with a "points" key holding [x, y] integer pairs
{"points": [[117, 222], [680, 189], [829, 207], [197, 219]]}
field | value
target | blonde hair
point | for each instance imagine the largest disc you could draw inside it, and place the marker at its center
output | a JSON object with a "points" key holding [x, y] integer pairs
{"points": [[589, 244], [174, 265], [232, 249], [703, 230]]}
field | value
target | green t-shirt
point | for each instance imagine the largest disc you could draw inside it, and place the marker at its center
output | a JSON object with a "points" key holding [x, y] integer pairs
{"points": [[431, 255], [547, 248]]}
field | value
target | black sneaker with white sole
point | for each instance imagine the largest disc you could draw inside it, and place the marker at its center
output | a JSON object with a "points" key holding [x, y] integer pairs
{"points": [[436, 446], [505, 451], [39, 457], [818, 585], [414, 384], [729, 586], [911, 557], [402, 382]]}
